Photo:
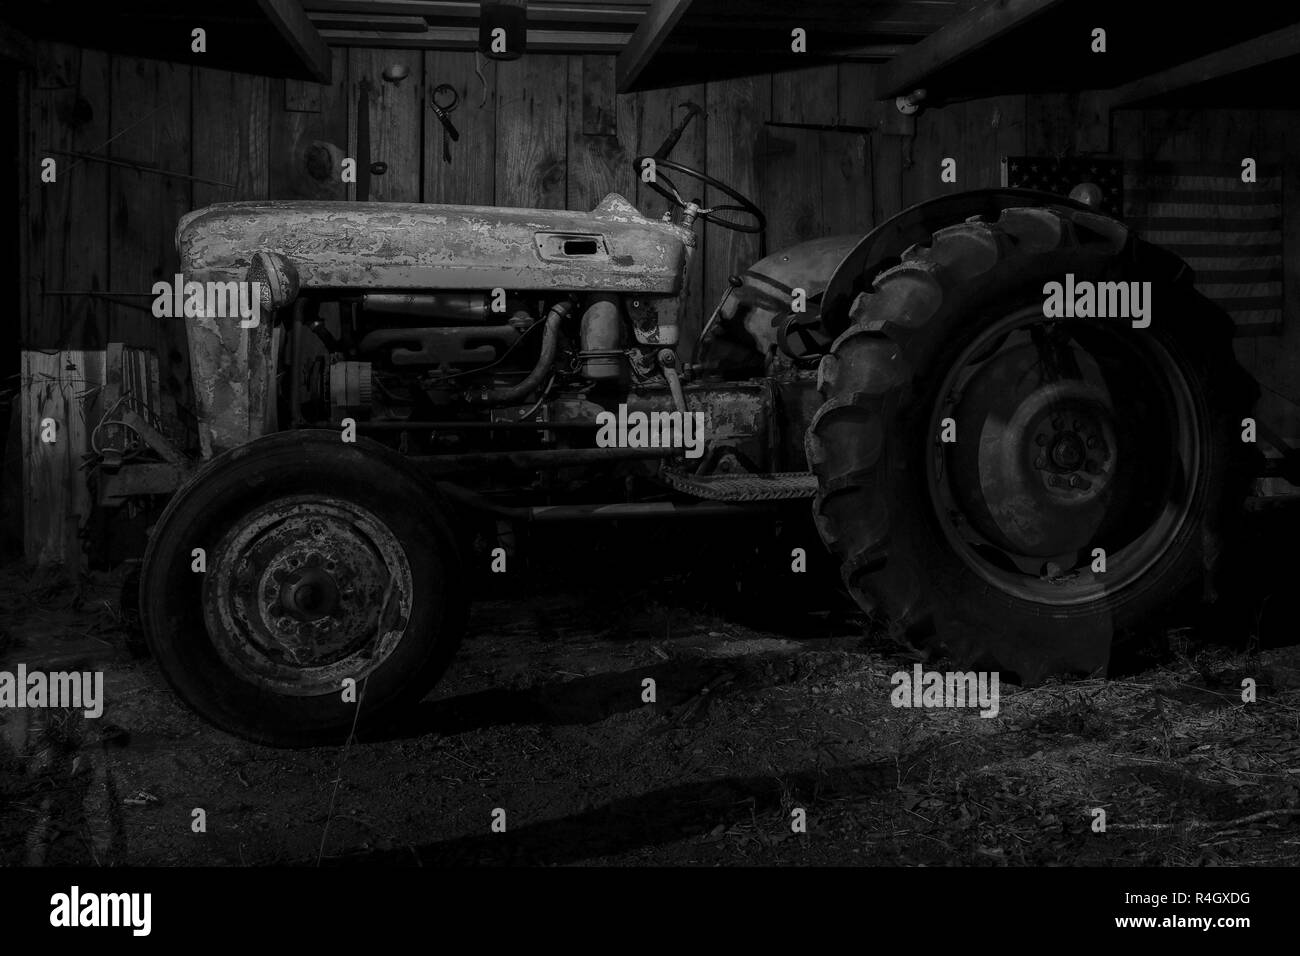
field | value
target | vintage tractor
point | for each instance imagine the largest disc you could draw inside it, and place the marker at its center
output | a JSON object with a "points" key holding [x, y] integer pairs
{"points": [[1015, 488]]}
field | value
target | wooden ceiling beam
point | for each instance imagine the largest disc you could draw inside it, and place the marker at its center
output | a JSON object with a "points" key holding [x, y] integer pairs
{"points": [[957, 40], [466, 38], [363, 21], [1260, 51], [287, 18], [449, 12], [659, 22]]}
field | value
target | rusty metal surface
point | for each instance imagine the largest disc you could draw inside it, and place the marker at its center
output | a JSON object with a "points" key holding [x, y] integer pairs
{"points": [[534, 459], [232, 370], [306, 591], [144, 478], [736, 417], [359, 246], [612, 511]]}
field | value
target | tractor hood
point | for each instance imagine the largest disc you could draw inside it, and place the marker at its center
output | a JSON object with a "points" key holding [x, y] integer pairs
{"points": [[369, 246]]}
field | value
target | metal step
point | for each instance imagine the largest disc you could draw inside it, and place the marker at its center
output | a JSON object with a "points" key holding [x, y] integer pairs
{"points": [[773, 487]]}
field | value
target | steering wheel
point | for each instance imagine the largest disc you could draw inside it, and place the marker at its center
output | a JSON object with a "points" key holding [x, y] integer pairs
{"points": [[727, 216]]}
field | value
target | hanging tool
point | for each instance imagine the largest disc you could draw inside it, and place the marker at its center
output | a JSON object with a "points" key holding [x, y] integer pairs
{"points": [[666, 147], [450, 100], [479, 60], [363, 141]]}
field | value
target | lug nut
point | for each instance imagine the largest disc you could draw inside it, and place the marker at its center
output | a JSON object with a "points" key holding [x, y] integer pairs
{"points": [[1078, 481], [1092, 441], [1058, 423], [1040, 462], [1076, 424]]}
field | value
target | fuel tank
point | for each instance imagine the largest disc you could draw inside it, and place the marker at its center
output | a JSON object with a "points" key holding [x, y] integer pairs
{"points": [[767, 287], [394, 246]]}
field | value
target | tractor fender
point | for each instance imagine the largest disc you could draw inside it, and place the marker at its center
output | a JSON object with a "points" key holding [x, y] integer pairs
{"points": [[883, 246]]}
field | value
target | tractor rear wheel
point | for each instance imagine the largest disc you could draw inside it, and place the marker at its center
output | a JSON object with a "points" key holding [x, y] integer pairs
{"points": [[1017, 489], [299, 587]]}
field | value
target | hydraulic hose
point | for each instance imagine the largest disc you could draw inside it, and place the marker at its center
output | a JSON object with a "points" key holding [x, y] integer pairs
{"points": [[550, 340]]}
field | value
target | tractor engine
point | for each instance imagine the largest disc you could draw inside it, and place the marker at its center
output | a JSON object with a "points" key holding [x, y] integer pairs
{"points": [[408, 357], [443, 372]]}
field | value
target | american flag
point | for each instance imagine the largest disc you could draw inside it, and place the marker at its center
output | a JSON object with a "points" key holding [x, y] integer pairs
{"points": [[1228, 231], [1063, 174]]}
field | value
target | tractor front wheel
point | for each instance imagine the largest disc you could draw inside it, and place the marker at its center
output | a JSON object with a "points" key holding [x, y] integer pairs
{"points": [[299, 587]]}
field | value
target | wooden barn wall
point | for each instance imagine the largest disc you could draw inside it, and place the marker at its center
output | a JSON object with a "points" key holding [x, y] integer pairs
{"points": [[548, 131], [1062, 125]]}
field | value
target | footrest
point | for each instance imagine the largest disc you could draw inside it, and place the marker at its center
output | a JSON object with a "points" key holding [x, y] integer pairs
{"points": [[774, 487]]}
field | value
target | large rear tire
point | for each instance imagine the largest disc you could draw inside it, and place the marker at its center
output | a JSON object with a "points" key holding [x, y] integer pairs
{"points": [[1072, 438], [324, 561]]}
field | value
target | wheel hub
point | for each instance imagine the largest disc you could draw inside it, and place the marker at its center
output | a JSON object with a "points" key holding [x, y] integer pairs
{"points": [[1068, 439], [1067, 452], [307, 590]]}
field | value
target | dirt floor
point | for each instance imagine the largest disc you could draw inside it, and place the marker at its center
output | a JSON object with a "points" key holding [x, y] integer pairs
{"points": [[542, 716]]}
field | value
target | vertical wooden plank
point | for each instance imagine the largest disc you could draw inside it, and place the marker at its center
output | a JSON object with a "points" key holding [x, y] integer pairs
{"points": [[302, 96], [531, 132], [396, 115], [65, 229], [1128, 143], [847, 200], [1173, 135], [598, 162], [86, 368], [28, 180], [151, 111], [657, 112], [231, 136], [470, 177], [882, 154], [1279, 136], [938, 137], [43, 463], [791, 175], [597, 95], [887, 175], [60, 386], [1049, 124], [737, 110], [308, 146], [994, 128]]}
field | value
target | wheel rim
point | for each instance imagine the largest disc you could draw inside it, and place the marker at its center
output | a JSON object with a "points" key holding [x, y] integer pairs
{"points": [[1070, 436], [306, 591]]}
